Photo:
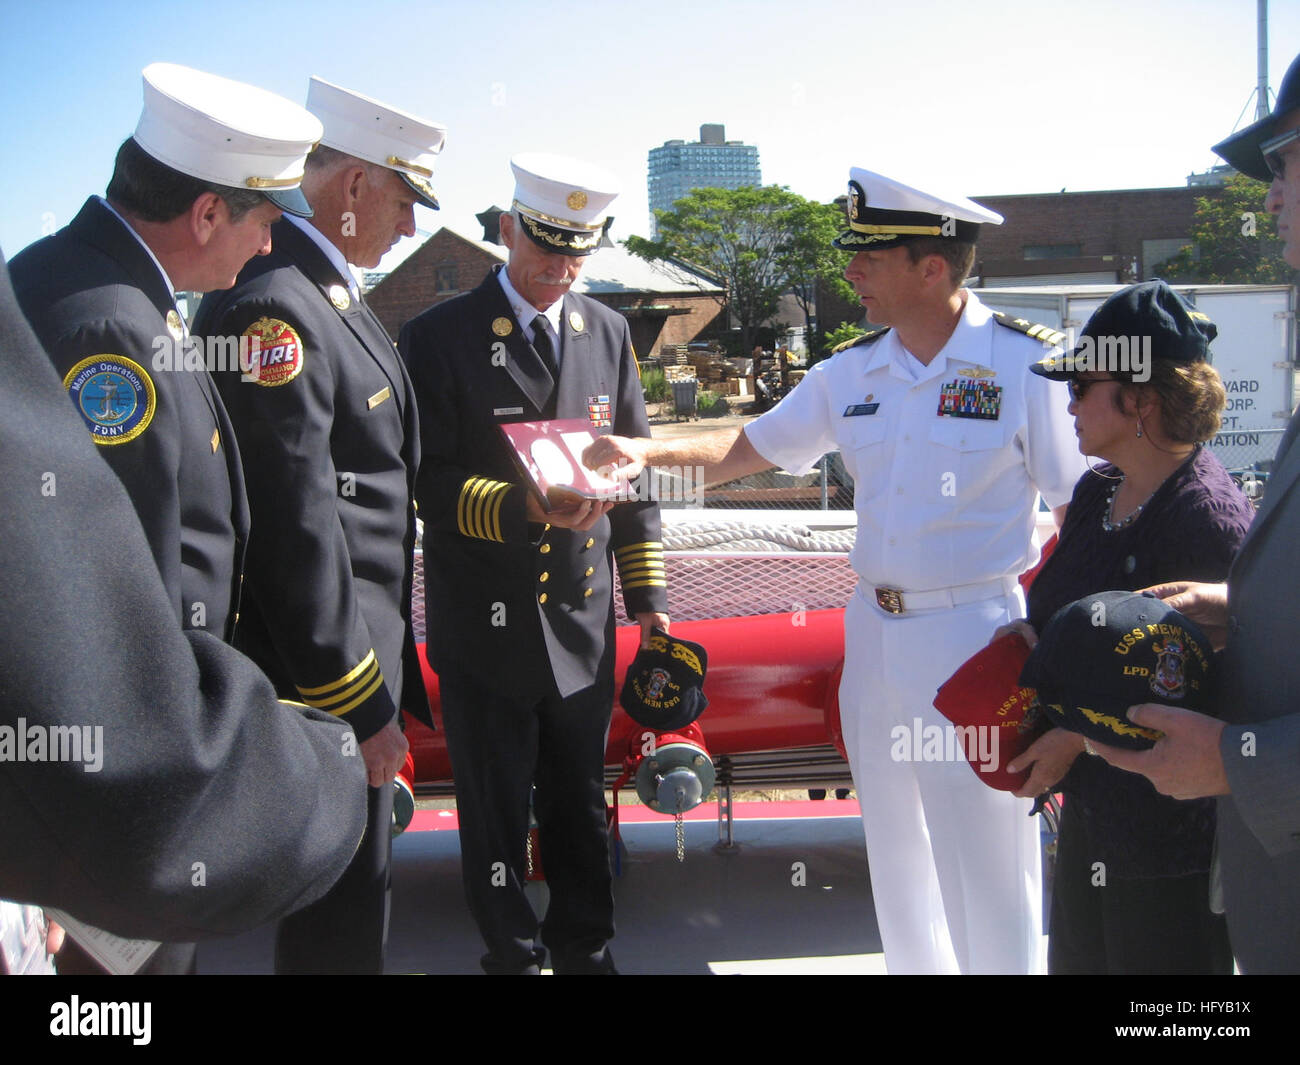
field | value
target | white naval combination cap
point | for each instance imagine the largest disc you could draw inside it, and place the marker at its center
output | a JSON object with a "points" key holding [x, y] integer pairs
{"points": [[376, 133], [227, 133], [562, 202], [884, 212]]}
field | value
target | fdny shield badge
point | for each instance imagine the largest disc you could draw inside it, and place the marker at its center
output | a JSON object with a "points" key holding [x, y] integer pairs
{"points": [[274, 354], [114, 396], [599, 411]]}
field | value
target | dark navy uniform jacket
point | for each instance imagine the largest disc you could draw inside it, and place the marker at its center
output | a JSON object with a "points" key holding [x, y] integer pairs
{"points": [[513, 603], [214, 808], [327, 419], [100, 306]]}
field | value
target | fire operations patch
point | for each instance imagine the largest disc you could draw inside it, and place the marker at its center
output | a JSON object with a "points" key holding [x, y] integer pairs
{"points": [[275, 354], [114, 396]]}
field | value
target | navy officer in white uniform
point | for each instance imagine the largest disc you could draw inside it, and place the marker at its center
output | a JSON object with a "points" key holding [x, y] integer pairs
{"points": [[950, 440]]}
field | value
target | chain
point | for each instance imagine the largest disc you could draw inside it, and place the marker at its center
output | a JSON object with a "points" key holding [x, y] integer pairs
{"points": [[681, 827], [529, 851]]}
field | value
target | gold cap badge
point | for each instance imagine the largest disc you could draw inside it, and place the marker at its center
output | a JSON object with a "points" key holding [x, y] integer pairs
{"points": [[340, 298], [577, 200], [502, 326]]}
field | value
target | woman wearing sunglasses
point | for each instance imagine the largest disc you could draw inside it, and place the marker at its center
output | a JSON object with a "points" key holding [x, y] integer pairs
{"points": [[1132, 885]]}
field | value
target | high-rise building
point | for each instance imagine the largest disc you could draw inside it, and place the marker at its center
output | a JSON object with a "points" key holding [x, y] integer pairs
{"points": [[711, 162]]}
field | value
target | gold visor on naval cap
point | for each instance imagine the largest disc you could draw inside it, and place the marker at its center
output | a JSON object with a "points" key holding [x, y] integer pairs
{"points": [[376, 133], [884, 212], [563, 203], [227, 133]]}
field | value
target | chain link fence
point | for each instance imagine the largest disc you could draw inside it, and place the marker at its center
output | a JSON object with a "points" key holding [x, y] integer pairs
{"points": [[1248, 454]]}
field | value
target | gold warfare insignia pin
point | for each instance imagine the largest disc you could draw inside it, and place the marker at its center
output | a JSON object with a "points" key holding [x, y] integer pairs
{"points": [[575, 321], [577, 200], [978, 372], [502, 326], [174, 325], [340, 298]]}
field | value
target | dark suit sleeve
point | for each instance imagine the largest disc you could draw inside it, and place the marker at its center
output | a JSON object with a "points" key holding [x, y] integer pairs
{"points": [[209, 807], [454, 500], [1262, 763], [298, 556], [635, 527]]}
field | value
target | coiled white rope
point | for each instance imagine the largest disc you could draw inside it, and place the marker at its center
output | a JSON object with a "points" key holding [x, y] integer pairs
{"points": [[742, 536]]}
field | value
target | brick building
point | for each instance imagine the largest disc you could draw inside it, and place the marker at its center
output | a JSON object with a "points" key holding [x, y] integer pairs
{"points": [[662, 306], [1111, 237]]}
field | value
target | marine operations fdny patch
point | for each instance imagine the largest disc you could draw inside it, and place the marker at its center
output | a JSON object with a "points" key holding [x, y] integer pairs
{"points": [[274, 353], [114, 396]]}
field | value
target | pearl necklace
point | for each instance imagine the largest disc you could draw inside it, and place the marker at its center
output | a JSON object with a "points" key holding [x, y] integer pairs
{"points": [[1109, 525]]}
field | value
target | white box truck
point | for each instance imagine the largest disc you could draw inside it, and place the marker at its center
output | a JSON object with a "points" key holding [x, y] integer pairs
{"points": [[1255, 354]]}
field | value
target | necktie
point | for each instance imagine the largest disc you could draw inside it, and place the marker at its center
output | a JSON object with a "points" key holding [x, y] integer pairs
{"points": [[545, 346]]}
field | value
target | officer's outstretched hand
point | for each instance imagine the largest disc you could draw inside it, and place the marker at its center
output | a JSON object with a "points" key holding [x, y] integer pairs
{"points": [[580, 517], [384, 754], [620, 458]]}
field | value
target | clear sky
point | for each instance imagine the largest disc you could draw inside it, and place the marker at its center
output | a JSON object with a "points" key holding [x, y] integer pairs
{"points": [[1005, 97]]}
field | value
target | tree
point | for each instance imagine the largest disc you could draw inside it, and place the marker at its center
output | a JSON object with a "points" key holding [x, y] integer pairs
{"points": [[816, 265], [746, 238], [1236, 239]]}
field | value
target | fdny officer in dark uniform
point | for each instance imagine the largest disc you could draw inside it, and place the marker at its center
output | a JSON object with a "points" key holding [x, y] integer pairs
{"points": [[194, 191], [520, 607], [196, 759], [326, 416]]}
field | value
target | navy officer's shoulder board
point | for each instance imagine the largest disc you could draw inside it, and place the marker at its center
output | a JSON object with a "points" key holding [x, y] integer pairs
{"points": [[866, 338], [1045, 333]]}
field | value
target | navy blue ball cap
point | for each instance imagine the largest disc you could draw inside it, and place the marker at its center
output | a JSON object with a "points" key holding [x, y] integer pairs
{"points": [[1136, 325], [664, 688], [1242, 149], [1103, 653]]}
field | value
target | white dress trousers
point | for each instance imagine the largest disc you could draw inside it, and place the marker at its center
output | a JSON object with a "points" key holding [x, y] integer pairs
{"points": [[943, 502]]}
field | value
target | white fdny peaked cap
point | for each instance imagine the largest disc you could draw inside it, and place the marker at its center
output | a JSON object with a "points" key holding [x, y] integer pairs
{"points": [[885, 213], [227, 133], [376, 133], [563, 202]]}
